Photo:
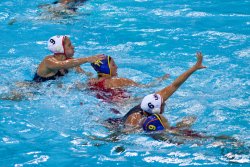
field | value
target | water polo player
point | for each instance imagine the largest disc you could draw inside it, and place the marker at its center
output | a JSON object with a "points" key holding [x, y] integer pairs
{"points": [[57, 65], [155, 103], [109, 84]]}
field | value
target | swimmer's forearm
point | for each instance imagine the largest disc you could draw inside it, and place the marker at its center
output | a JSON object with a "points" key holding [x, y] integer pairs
{"points": [[78, 69], [70, 63], [183, 77], [169, 90]]}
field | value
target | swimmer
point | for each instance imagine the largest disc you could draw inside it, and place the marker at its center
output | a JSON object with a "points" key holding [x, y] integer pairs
{"points": [[108, 80], [157, 126], [58, 64], [52, 67], [62, 7], [69, 1], [155, 103], [70, 4], [181, 132]]}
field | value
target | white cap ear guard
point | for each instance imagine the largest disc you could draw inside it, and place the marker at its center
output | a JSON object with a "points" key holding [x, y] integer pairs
{"points": [[152, 104], [55, 44]]}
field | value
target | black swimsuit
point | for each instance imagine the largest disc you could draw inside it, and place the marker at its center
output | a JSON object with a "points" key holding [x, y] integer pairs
{"points": [[136, 109], [38, 78], [119, 122]]}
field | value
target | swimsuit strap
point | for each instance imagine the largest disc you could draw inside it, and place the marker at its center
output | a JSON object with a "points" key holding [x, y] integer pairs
{"points": [[136, 109], [100, 84]]}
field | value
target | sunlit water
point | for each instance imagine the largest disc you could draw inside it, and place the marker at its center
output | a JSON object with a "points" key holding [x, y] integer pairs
{"points": [[51, 124]]}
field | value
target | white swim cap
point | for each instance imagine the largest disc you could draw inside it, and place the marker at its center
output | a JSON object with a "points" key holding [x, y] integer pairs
{"points": [[152, 103], [55, 44]]}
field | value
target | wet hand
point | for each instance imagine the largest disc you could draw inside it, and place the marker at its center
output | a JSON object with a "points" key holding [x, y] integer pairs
{"points": [[89, 74], [96, 57], [101, 56], [166, 76], [198, 64]]}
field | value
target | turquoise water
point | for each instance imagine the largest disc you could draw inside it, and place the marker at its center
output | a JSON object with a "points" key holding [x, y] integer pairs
{"points": [[51, 124]]}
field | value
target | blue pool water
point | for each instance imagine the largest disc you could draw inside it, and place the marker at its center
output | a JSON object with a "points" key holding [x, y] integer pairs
{"points": [[51, 124]]}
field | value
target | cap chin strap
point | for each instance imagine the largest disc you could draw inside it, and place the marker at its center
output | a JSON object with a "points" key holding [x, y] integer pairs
{"points": [[63, 39], [103, 75], [66, 58], [63, 42], [156, 111]]}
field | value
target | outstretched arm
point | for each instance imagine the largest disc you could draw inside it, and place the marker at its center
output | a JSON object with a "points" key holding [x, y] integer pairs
{"points": [[169, 90], [123, 82], [119, 83], [54, 64]]}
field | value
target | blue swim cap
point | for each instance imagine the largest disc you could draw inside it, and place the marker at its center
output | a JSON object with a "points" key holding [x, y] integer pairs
{"points": [[153, 123], [102, 66]]}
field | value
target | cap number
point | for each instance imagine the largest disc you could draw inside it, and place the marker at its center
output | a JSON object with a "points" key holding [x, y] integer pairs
{"points": [[156, 97], [150, 105], [151, 127], [52, 41]]}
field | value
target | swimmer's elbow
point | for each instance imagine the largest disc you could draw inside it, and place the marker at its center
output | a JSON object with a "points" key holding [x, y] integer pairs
{"points": [[132, 83]]}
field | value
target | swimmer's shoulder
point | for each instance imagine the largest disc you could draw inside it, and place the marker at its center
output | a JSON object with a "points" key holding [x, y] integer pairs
{"points": [[107, 83], [116, 82], [93, 81], [47, 60], [49, 57], [134, 119]]}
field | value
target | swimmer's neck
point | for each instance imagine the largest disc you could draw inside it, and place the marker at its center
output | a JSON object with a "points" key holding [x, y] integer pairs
{"points": [[65, 1], [105, 76], [145, 113], [60, 57]]}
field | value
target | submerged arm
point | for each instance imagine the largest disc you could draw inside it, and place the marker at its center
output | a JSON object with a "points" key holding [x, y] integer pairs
{"points": [[123, 82], [155, 82], [78, 69], [119, 83]]}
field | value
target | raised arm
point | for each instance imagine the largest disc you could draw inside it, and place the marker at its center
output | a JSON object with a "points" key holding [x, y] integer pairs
{"points": [[169, 90], [54, 64]]}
